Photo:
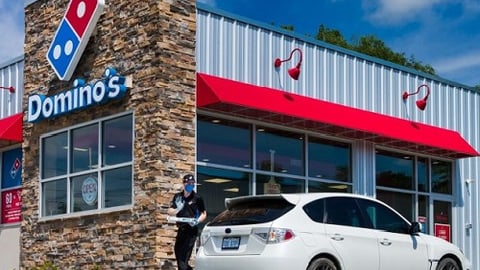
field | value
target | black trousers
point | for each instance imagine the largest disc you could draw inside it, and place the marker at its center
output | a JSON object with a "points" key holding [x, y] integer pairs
{"points": [[186, 237]]}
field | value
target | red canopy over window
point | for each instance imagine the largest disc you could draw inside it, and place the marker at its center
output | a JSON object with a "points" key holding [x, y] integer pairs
{"points": [[292, 110], [11, 129]]}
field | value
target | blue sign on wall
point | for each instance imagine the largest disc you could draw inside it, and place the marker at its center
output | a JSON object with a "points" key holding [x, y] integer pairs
{"points": [[12, 168]]}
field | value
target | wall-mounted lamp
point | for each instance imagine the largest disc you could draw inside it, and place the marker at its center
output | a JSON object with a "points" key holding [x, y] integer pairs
{"points": [[295, 71], [421, 103], [469, 181], [11, 89]]}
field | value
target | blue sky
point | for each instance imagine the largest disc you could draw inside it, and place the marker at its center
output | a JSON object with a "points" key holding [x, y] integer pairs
{"points": [[442, 33], [11, 29]]}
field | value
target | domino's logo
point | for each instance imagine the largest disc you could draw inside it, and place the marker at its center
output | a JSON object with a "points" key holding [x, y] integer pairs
{"points": [[72, 36], [15, 167]]}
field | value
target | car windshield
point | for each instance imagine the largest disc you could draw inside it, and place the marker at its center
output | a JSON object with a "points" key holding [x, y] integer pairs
{"points": [[253, 211]]}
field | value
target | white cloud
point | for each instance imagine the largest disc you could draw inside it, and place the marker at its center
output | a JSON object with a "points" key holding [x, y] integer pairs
{"points": [[11, 29], [397, 11], [459, 62]]}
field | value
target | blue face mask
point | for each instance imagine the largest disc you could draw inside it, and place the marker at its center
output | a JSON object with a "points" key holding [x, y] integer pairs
{"points": [[189, 188]]}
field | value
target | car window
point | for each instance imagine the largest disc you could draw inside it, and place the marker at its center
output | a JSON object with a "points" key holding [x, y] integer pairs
{"points": [[315, 210], [383, 218], [343, 211], [253, 211]]}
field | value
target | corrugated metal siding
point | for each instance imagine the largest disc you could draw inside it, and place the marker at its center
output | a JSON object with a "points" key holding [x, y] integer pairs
{"points": [[233, 47], [11, 74]]}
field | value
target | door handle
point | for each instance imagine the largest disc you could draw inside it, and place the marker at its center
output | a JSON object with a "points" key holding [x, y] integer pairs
{"points": [[386, 242], [337, 237]]}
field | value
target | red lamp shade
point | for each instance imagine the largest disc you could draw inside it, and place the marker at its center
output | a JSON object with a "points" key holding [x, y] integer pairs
{"points": [[294, 72], [422, 103]]}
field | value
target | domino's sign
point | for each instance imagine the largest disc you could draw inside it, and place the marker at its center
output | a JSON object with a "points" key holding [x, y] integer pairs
{"points": [[72, 36], [81, 96]]}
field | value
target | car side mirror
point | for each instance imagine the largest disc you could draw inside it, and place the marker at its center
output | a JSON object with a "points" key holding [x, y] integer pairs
{"points": [[415, 228]]}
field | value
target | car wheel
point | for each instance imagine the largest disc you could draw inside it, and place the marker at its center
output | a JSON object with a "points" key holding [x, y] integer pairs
{"points": [[322, 264], [448, 264]]}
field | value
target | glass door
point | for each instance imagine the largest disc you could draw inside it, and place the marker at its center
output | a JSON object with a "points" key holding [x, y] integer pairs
{"points": [[442, 219]]}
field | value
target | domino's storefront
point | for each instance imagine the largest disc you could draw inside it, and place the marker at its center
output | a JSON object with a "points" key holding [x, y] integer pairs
{"points": [[109, 109], [120, 100]]}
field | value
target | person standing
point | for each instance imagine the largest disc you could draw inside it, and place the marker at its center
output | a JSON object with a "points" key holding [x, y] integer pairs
{"points": [[187, 203]]}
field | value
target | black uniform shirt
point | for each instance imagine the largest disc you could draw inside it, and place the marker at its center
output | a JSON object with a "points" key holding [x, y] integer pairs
{"points": [[193, 205]]}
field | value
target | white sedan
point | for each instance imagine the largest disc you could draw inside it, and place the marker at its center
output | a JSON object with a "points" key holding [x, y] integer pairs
{"points": [[314, 231]]}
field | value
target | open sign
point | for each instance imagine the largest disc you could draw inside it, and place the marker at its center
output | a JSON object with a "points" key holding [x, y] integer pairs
{"points": [[90, 190]]}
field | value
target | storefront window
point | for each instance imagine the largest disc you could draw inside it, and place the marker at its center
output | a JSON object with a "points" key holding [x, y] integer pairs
{"points": [[217, 184], [322, 186], [422, 175], [224, 142], [424, 213], [117, 149], [394, 170], [117, 187], [79, 200], [227, 149], [10, 186], [402, 202], [329, 160], [54, 197], [268, 184], [280, 151], [430, 175], [442, 213], [85, 148], [441, 176], [54, 155], [72, 180]]}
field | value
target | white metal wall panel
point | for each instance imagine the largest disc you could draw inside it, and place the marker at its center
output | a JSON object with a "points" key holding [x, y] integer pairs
{"points": [[11, 74], [237, 48]]}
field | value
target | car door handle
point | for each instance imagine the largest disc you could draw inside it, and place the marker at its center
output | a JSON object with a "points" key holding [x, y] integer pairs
{"points": [[337, 237], [386, 242]]}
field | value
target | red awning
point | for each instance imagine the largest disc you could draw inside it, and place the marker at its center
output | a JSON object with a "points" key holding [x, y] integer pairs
{"points": [[292, 110], [11, 129]]}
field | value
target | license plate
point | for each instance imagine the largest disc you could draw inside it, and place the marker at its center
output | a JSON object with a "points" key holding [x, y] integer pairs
{"points": [[230, 242]]}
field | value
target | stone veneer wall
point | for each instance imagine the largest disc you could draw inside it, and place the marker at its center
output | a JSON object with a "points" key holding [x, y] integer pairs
{"points": [[154, 42]]}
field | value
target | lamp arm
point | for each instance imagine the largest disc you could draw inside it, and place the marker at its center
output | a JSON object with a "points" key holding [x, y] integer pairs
{"points": [[406, 95], [278, 62], [428, 90], [11, 88]]}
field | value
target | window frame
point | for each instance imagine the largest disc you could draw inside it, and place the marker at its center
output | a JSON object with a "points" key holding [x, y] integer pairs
{"points": [[428, 192], [346, 186], [98, 170], [365, 204], [308, 183]]}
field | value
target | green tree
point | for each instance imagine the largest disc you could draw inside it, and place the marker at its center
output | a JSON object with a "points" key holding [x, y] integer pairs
{"points": [[372, 46], [331, 36], [288, 27]]}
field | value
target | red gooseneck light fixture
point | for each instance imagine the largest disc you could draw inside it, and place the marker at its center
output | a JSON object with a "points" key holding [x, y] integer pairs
{"points": [[421, 103], [11, 88], [295, 71]]}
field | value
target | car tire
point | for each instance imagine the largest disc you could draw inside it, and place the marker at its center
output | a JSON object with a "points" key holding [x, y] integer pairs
{"points": [[448, 264], [322, 264]]}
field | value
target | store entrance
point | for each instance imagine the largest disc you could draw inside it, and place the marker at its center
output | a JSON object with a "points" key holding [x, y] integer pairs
{"points": [[442, 219]]}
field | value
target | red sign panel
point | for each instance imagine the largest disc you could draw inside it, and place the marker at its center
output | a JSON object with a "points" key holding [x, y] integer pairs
{"points": [[443, 231], [11, 206]]}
